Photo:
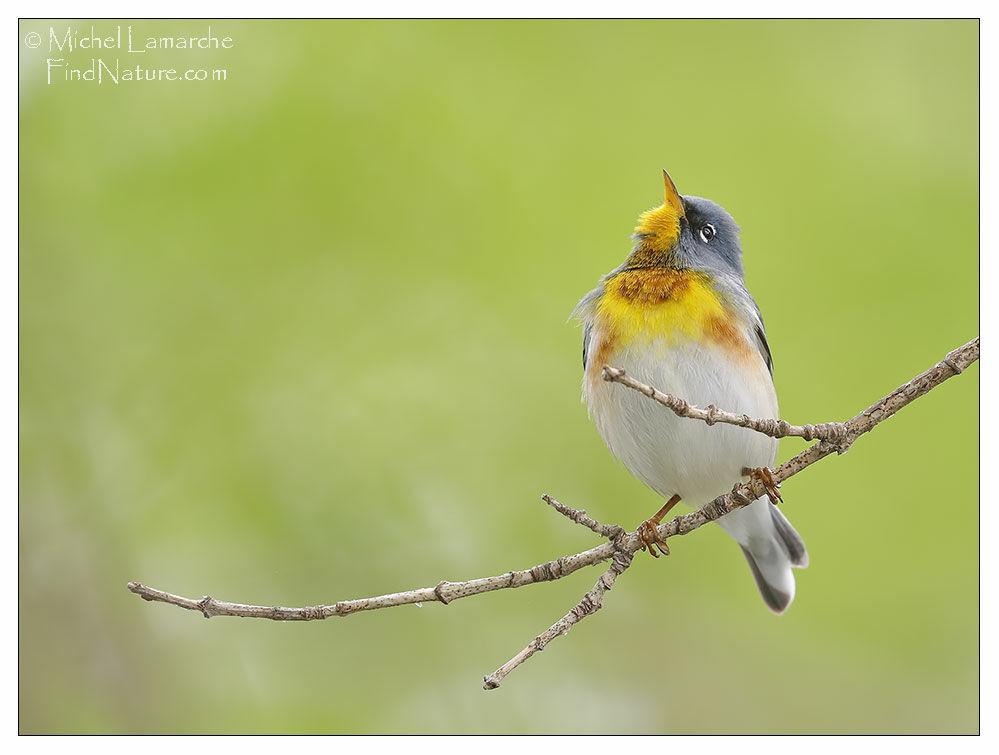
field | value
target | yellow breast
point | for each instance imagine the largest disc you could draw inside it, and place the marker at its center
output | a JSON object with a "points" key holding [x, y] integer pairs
{"points": [[665, 305]]}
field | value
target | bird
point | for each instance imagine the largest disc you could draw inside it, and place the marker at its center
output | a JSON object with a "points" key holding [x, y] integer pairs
{"points": [[677, 315]]}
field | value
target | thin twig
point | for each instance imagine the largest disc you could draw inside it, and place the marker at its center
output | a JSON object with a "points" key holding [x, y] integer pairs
{"points": [[592, 602], [775, 428], [610, 531], [623, 546], [443, 592]]}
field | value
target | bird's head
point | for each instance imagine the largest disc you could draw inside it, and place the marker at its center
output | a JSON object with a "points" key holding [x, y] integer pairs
{"points": [[686, 233]]}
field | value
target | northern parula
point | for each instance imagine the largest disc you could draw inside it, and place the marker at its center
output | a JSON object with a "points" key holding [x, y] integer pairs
{"points": [[677, 315]]}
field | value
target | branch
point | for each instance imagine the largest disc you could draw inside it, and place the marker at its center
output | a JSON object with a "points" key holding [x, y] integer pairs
{"points": [[775, 428], [833, 437], [592, 602]]}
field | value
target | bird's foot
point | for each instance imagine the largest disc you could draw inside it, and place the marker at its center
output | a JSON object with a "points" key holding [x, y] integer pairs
{"points": [[765, 475], [648, 531]]}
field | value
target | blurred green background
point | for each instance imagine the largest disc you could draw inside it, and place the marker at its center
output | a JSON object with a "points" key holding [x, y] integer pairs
{"points": [[301, 336]]}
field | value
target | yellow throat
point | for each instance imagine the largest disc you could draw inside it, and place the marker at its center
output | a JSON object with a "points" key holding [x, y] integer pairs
{"points": [[654, 299]]}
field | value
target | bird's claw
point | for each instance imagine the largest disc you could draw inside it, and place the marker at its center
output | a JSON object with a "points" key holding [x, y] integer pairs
{"points": [[648, 533], [765, 476]]}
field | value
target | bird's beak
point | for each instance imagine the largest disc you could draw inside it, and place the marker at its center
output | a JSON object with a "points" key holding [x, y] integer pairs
{"points": [[673, 196]]}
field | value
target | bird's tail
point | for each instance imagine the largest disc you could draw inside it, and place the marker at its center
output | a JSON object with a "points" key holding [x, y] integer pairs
{"points": [[771, 546]]}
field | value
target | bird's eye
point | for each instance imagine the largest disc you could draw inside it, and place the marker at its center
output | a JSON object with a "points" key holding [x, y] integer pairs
{"points": [[707, 232]]}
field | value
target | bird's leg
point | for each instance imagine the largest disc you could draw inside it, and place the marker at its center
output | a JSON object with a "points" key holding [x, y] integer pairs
{"points": [[766, 476], [648, 531]]}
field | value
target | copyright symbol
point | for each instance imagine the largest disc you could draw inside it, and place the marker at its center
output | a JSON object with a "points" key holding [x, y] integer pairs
{"points": [[33, 40]]}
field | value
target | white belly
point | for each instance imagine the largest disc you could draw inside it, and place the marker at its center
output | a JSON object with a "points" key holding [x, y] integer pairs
{"points": [[675, 455]]}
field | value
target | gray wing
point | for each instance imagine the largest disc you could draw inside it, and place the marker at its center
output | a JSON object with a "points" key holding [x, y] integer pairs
{"points": [[764, 347], [584, 313], [761, 334]]}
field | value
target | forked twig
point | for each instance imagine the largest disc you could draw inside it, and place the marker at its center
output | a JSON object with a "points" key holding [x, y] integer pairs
{"points": [[833, 438]]}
